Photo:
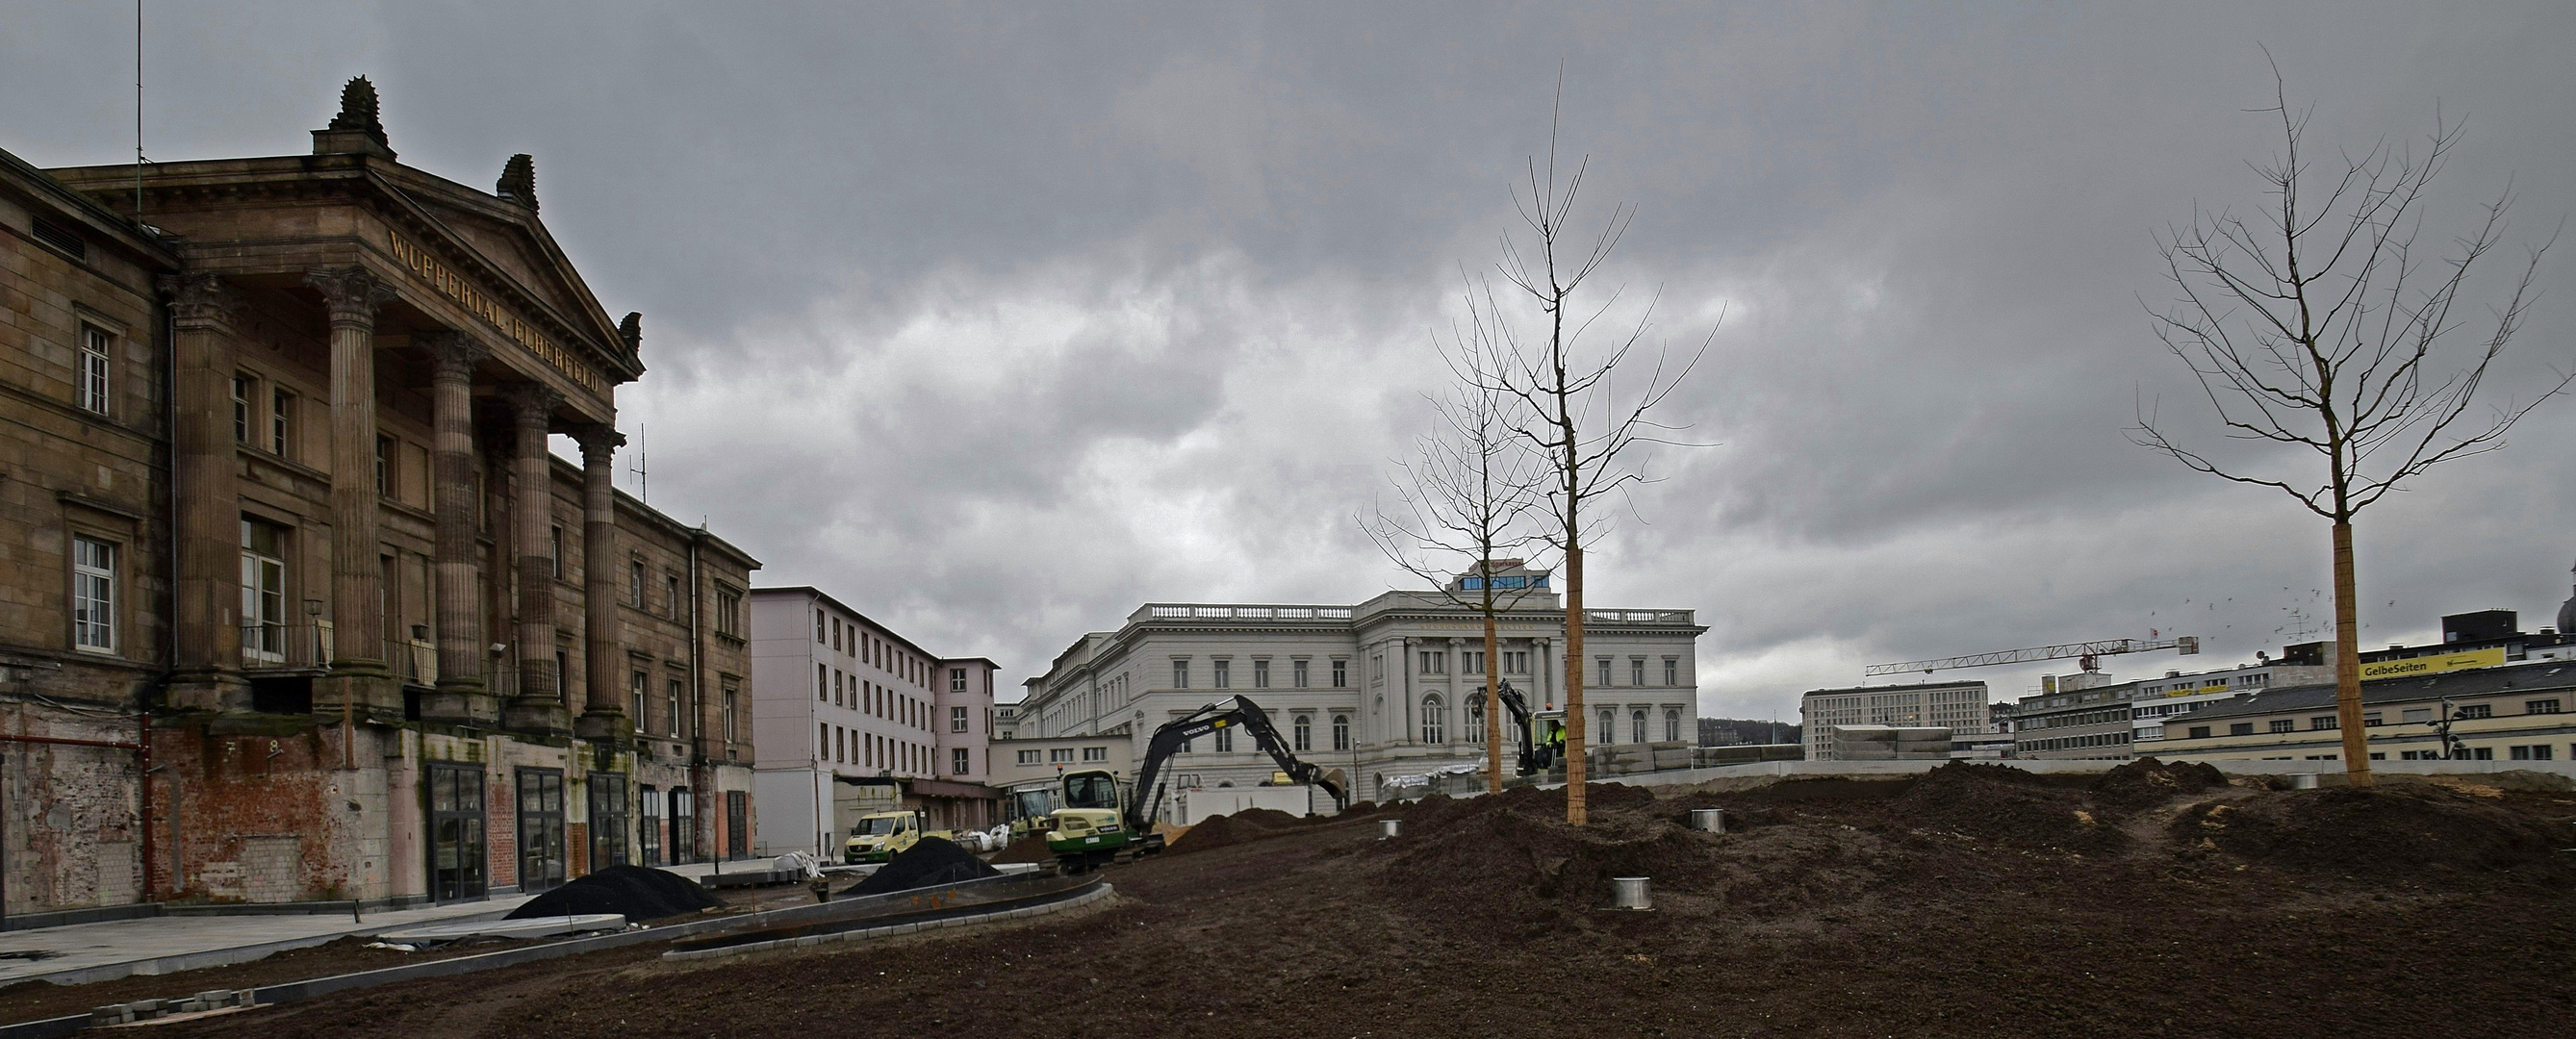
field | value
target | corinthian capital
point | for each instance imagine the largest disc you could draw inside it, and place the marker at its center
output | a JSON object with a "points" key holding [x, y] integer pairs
{"points": [[598, 440], [200, 300], [351, 293], [452, 354], [533, 404]]}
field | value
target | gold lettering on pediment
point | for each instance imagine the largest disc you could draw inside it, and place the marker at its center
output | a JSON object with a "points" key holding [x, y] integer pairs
{"points": [[454, 286]]}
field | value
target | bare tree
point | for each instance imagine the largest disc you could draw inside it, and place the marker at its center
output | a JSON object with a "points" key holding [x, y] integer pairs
{"points": [[1570, 406], [2321, 326], [1469, 492]]}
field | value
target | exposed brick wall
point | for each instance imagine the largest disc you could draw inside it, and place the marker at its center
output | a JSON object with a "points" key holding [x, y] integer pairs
{"points": [[73, 835]]}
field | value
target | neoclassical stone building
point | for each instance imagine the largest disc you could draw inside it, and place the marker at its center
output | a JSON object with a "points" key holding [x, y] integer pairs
{"points": [[1390, 687], [299, 605]]}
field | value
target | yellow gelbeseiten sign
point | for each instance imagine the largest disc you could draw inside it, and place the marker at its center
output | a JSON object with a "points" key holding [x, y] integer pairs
{"points": [[2489, 657]]}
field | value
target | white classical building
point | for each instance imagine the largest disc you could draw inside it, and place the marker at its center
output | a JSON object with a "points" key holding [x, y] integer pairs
{"points": [[1392, 686]]}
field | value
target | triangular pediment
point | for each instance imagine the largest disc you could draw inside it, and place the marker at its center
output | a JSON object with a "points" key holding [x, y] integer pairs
{"points": [[512, 243]]}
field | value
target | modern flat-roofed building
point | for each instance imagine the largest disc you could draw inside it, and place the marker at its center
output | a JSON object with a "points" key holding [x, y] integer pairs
{"points": [[2514, 712], [1957, 706], [1390, 687], [852, 717]]}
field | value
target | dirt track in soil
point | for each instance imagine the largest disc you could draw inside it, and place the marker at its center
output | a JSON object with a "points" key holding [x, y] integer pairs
{"points": [[1968, 903]]}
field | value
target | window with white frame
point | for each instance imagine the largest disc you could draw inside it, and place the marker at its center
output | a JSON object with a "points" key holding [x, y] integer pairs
{"points": [[637, 685], [1605, 669], [1297, 673], [281, 423], [1302, 732], [1180, 674], [1432, 717], [1471, 662], [1476, 718], [1341, 674], [959, 762], [1607, 727], [1435, 661], [1637, 673], [956, 719], [1341, 732], [1516, 661], [93, 595], [1225, 741], [1672, 726], [1095, 753], [1062, 754], [94, 370], [1672, 671], [1261, 674], [1636, 726], [1223, 671], [957, 683], [671, 699], [243, 389]]}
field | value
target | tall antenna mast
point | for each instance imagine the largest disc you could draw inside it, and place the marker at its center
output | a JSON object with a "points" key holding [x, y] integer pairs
{"points": [[138, 111], [635, 464]]}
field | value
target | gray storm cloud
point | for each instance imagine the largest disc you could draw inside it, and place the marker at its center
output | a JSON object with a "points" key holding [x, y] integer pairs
{"points": [[1001, 321]]}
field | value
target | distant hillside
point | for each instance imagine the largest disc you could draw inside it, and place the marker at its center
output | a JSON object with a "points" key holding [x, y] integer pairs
{"points": [[1722, 732]]}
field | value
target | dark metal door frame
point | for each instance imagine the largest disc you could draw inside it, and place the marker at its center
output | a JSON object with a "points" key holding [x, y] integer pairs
{"points": [[541, 829]]}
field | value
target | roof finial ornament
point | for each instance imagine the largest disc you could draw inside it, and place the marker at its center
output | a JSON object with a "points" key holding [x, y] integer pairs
{"points": [[358, 110], [518, 180], [632, 331]]}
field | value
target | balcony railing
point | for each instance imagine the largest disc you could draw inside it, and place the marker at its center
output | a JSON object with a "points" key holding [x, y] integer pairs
{"points": [[413, 660], [1636, 616], [281, 646], [1191, 611]]}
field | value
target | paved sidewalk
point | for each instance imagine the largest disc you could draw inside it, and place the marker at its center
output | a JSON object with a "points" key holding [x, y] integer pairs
{"points": [[164, 944]]}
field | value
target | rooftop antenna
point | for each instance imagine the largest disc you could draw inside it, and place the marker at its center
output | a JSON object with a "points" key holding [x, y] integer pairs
{"points": [[138, 111], [635, 464]]}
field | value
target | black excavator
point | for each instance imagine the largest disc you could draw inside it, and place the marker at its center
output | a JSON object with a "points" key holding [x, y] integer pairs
{"points": [[1100, 819]]}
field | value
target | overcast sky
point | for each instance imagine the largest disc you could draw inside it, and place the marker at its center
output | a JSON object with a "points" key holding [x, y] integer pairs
{"points": [[998, 322]]}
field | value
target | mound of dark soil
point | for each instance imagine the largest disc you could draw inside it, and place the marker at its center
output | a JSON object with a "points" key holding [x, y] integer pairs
{"points": [[2147, 782], [933, 861], [1250, 824], [2410, 829], [2005, 805], [635, 892], [1031, 848]]}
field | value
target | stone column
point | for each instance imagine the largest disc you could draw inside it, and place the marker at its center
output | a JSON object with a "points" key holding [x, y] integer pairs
{"points": [[208, 625], [539, 705], [603, 717], [462, 697], [358, 673]]}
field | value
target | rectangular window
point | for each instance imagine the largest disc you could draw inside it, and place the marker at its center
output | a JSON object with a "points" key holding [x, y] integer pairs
{"points": [[635, 583], [1305, 733], [1605, 669], [728, 618], [243, 387], [1341, 674], [636, 685], [1224, 670], [2369, 720], [2323, 722], [1261, 674], [385, 486], [1095, 753], [1637, 673], [2549, 706], [1435, 662], [1180, 674], [958, 761], [818, 628], [554, 546], [1672, 671], [1055, 754], [2285, 725], [957, 683], [1471, 662], [2476, 710], [1225, 741], [93, 370], [671, 699], [1297, 673], [957, 719], [93, 595], [1031, 757], [732, 693], [1341, 732], [281, 423], [1516, 662], [822, 682], [2481, 753], [2415, 715], [671, 595], [2241, 729]]}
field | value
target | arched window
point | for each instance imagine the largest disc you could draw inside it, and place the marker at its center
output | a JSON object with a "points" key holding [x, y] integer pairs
{"points": [[1341, 732], [1432, 731], [1476, 718], [1305, 732], [1672, 726], [1636, 726], [1608, 730]]}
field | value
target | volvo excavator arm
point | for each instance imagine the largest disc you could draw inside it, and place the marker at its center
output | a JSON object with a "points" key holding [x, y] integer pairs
{"points": [[1240, 712]]}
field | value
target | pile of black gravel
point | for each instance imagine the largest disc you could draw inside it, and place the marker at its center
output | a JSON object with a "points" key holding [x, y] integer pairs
{"points": [[634, 892], [932, 862]]}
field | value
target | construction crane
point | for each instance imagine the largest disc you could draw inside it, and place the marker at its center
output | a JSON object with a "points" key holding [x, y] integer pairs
{"points": [[2089, 654]]}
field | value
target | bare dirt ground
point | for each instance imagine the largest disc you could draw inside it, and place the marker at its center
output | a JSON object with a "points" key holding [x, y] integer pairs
{"points": [[1976, 901]]}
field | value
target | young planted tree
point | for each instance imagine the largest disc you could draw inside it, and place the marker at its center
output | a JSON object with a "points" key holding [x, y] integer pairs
{"points": [[2322, 328], [1470, 492], [1563, 379]]}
